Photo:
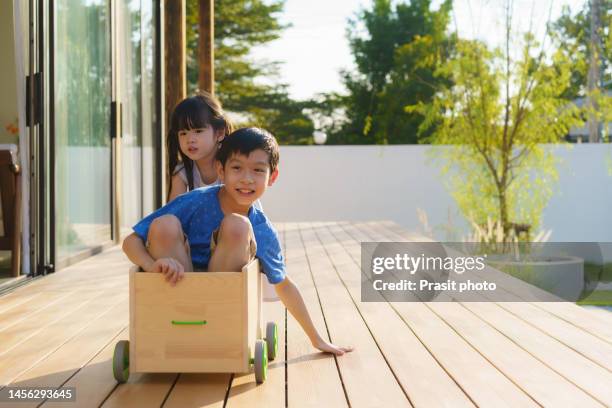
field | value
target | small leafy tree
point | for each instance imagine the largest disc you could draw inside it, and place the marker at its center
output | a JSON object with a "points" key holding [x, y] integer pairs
{"points": [[496, 117]]}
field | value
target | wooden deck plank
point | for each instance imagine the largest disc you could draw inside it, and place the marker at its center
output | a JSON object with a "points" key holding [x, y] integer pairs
{"points": [[28, 310], [29, 300], [244, 391], [92, 271], [313, 377], [76, 283], [48, 317], [543, 318], [199, 390], [411, 362], [496, 354], [598, 311], [62, 364], [94, 382], [542, 383], [498, 348], [83, 285], [590, 377], [142, 390], [367, 378], [76, 352], [27, 353], [578, 339], [481, 380], [583, 342], [597, 324], [11, 300]]}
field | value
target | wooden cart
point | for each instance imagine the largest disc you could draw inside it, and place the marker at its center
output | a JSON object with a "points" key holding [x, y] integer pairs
{"points": [[208, 322]]}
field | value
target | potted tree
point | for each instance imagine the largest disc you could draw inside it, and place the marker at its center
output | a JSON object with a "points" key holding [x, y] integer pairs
{"points": [[494, 122]]}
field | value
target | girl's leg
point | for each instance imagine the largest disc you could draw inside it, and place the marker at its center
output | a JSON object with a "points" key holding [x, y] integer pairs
{"points": [[167, 240], [234, 240]]}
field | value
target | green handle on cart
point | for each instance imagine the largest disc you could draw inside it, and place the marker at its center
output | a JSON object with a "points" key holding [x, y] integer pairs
{"points": [[197, 322]]}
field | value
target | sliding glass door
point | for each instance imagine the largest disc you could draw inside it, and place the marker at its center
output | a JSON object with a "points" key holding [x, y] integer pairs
{"points": [[130, 90], [136, 21], [82, 101], [102, 142]]}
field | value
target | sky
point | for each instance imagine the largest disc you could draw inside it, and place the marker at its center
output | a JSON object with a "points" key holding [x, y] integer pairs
{"points": [[314, 49]]}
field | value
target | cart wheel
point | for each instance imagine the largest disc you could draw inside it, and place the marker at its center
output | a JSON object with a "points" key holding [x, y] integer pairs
{"points": [[121, 361], [261, 361], [272, 340]]}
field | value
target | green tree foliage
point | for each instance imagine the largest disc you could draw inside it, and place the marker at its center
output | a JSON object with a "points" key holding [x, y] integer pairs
{"points": [[496, 116], [278, 113], [572, 34], [396, 49], [241, 25]]}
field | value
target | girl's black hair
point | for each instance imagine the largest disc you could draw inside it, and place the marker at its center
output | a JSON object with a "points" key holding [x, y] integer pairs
{"points": [[194, 112]]}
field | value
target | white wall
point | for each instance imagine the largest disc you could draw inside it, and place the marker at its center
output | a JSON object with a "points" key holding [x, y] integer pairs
{"points": [[326, 183], [581, 207], [390, 182]]}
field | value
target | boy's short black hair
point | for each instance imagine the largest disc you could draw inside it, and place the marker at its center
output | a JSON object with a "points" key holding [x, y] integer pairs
{"points": [[246, 140]]}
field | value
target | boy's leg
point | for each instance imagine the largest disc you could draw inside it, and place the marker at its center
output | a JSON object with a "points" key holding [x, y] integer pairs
{"points": [[234, 243], [167, 240]]}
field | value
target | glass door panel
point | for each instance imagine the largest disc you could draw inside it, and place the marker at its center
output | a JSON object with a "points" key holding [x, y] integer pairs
{"points": [[137, 90], [82, 80], [150, 123], [130, 91]]}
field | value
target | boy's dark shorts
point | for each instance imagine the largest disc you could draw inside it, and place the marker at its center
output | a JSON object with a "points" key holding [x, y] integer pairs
{"points": [[213, 244]]}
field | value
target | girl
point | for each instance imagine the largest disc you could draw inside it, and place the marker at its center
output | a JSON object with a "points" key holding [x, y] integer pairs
{"points": [[197, 127]]}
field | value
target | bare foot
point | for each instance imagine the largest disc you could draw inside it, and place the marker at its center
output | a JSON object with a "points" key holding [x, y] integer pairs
{"points": [[331, 348]]}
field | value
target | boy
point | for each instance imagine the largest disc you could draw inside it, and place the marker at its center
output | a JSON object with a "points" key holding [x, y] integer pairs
{"points": [[218, 228]]}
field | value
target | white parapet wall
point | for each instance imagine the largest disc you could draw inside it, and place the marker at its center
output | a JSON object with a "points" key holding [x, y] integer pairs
{"points": [[324, 183]]}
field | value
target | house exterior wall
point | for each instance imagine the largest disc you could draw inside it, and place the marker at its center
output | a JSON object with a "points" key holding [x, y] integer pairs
{"points": [[390, 182]]}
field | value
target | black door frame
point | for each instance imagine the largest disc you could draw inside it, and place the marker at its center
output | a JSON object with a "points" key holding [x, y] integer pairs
{"points": [[41, 160]]}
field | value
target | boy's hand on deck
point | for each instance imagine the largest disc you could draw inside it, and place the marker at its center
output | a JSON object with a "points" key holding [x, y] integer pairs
{"points": [[331, 348], [171, 268], [290, 295]]}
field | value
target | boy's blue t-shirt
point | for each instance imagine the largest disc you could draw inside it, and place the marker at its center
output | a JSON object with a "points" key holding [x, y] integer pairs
{"points": [[200, 214]]}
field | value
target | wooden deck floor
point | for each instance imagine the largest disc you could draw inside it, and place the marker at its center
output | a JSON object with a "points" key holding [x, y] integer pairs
{"points": [[61, 331]]}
